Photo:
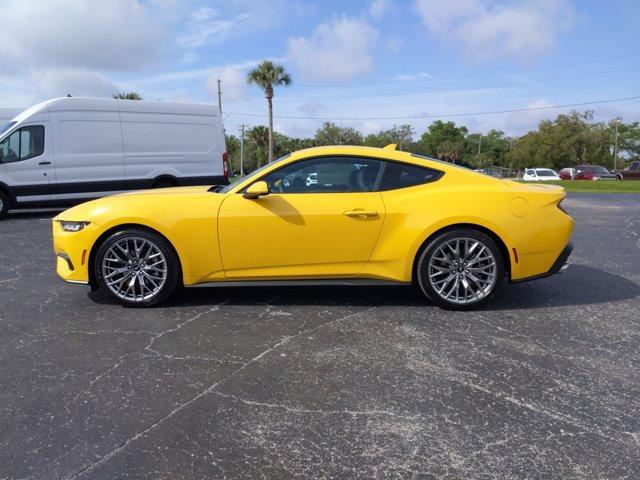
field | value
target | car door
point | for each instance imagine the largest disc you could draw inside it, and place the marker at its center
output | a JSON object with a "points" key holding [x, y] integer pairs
{"points": [[322, 218], [24, 167]]}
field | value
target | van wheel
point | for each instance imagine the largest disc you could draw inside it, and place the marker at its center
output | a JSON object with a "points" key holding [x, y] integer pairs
{"points": [[137, 268], [460, 269], [164, 183], [4, 204]]}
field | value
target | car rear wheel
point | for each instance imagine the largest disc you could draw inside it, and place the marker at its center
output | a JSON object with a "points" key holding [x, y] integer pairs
{"points": [[460, 269], [137, 268]]}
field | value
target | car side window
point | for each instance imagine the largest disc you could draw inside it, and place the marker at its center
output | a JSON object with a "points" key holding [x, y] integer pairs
{"points": [[326, 175], [635, 167], [401, 175], [25, 143]]}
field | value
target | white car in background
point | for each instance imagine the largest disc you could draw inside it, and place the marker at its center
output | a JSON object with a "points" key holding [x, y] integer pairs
{"points": [[539, 175]]}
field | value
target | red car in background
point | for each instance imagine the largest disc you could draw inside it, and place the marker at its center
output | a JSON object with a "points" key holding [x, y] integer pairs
{"points": [[594, 172], [632, 172]]}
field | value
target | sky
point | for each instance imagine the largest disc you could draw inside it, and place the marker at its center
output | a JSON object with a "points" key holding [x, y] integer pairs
{"points": [[368, 64]]}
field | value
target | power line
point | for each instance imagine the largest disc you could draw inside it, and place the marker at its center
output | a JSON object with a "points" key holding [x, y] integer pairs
{"points": [[541, 80], [410, 117], [489, 75]]}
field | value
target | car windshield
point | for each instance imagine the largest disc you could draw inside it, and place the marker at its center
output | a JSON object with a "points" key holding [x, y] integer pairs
{"points": [[231, 186], [7, 126], [546, 173], [600, 170]]}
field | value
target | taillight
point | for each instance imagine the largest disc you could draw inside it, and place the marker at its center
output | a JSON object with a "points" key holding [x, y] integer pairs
{"points": [[562, 209], [225, 164]]}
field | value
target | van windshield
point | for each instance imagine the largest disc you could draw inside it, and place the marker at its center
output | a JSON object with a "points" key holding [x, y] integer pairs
{"points": [[7, 126]]}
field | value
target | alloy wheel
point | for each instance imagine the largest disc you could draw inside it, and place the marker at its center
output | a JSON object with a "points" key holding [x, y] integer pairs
{"points": [[134, 269], [462, 270]]}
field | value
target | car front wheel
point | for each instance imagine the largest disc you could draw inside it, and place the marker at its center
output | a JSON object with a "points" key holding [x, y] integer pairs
{"points": [[460, 269], [137, 268]]}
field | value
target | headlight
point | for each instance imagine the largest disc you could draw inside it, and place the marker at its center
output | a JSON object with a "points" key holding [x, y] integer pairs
{"points": [[72, 226], [596, 178]]}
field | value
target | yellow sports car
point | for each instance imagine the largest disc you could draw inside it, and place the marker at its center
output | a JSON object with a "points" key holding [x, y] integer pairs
{"points": [[328, 214]]}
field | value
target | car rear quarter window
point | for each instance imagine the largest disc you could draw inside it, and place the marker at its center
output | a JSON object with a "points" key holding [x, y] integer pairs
{"points": [[401, 175]]}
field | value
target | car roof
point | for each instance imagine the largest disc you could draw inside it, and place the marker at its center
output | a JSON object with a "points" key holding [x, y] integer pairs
{"points": [[387, 153]]}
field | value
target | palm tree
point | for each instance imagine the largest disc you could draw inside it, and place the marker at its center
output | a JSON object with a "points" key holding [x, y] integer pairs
{"points": [[268, 75], [127, 96]]}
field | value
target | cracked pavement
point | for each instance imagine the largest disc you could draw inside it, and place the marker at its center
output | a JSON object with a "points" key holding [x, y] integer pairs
{"points": [[326, 382]]}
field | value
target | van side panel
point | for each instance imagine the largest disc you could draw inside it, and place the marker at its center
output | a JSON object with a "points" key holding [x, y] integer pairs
{"points": [[180, 145], [89, 160]]}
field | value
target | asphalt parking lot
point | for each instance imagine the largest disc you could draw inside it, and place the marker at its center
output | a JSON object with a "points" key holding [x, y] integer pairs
{"points": [[326, 382]]}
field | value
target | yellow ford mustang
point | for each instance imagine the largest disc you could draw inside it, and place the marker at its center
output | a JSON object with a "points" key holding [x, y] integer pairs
{"points": [[338, 214]]}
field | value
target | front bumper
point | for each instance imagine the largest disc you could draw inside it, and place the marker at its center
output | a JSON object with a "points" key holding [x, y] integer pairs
{"points": [[558, 266], [72, 252]]}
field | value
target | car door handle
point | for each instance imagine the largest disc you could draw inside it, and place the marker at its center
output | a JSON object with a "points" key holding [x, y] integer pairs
{"points": [[361, 213], [44, 163]]}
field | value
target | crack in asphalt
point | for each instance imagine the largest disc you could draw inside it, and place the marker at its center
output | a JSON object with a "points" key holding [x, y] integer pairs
{"points": [[115, 451]]}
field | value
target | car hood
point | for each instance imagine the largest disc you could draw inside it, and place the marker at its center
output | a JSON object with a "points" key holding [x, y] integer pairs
{"points": [[144, 204]]}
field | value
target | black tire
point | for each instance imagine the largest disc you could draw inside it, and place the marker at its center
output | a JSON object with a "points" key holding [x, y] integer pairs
{"points": [[5, 202], [167, 284], [432, 248], [164, 183]]}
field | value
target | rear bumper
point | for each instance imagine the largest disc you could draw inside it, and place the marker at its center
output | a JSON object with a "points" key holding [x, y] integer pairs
{"points": [[558, 266]]}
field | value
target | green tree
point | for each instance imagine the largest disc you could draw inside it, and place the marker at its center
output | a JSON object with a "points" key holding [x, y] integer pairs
{"points": [[568, 140], [267, 76], [127, 96], [331, 134], [628, 140], [258, 139], [233, 149], [443, 140], [401, 135]]}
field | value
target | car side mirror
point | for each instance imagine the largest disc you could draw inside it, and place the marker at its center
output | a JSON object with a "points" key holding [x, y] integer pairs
{"points": [[258, 189]]}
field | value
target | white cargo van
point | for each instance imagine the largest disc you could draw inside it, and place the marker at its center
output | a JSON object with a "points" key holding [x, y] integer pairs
{"points": [[72, 149]]}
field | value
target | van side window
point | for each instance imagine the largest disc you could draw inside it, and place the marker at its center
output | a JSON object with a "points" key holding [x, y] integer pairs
{"points": [[27, 142]]}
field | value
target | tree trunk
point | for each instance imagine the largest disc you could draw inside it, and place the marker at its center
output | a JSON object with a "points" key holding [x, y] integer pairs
{"points": [[269, 101]]}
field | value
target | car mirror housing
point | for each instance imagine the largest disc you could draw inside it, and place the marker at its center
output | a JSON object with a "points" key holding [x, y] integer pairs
{"points": [[256, 190]]}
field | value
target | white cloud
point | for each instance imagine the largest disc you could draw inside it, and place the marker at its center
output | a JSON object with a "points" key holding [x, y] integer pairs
{"points": [[114, 35], [233, 83], [413, 77], [520, 122], [394, 44], [78, 83], [379, 8], [486, 28], [336, 51], [312, 107], [225, 19], [206, 24]]}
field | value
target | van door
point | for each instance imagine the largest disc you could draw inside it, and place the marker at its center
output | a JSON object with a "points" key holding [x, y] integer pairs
{"points": [[25, 165], [89, 161]]}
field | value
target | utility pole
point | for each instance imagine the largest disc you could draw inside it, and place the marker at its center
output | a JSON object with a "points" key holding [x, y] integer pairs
{"points": [[241, 150], [219, 95], [615, 145]]}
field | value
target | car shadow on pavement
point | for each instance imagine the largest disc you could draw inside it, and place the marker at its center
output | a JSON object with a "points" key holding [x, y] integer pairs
{"points": [[579, 285]]}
